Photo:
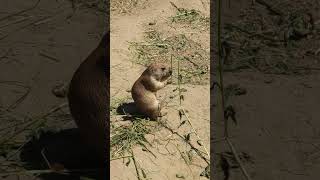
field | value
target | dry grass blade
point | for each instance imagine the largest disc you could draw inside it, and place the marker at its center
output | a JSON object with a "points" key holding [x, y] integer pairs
{"points": [[30, 24], [20, 99], [135, 165], [21, 12], [195, 132], [193, 58], [236, 156], [15, 22], [126, 6], [222, 92], [191, 18], [123, 138], [121, 157], [34, 124], [47, 171]]}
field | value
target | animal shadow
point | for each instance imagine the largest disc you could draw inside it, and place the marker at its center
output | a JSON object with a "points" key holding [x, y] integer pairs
{"points": [[63, 148], [129, 110]]}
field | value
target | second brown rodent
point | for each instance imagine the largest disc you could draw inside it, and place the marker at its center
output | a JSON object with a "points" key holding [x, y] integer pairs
{"points": [[88, 97]]}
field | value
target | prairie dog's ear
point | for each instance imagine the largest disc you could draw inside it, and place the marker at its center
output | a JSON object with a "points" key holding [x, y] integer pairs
{"points": [[152, 68]]}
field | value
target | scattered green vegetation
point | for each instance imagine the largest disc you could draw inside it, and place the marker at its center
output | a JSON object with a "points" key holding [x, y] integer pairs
{"points": [[191, 18], [194, 59], [125, 137], [271, 40], [126, 6]]}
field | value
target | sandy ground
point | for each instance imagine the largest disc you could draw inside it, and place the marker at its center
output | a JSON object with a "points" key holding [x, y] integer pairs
{"points": [[40, 47], [277, 134], [127, 28]]}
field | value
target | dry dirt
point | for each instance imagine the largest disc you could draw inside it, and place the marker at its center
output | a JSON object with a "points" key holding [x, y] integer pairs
{"points": [[277, 107], [41, 45], [169, 151], [277, 132]]}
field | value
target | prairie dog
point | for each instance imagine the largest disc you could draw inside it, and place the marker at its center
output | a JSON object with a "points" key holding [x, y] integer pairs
{"points": [[88, 97], [145, 88]]}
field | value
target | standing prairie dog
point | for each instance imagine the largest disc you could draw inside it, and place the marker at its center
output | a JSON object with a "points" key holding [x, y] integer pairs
{"points": [[145, 88], [88, 97]]}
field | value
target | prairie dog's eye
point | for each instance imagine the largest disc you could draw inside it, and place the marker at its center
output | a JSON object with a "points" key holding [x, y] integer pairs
{"points": [[163, 68]]}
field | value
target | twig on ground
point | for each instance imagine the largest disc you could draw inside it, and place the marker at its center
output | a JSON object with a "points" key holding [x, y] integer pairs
{"points": [[135, 165], [21, 12], [47, 171], [221, 88], [195, 132], [30, 24], [19, 149], [49, 57], [236, 156], [200, 153], [15, 22], [38, 120], [122, 157], [175, 6], [17, 102], [269, 7], [45, 158], [20, 100], [186, 162]]}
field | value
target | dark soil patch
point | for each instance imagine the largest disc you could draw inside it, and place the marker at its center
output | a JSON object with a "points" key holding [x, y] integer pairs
{"points": [[271, 52]]}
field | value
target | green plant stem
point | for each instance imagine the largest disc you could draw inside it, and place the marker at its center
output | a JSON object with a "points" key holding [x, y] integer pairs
{"points": [[220, 68], [47, 171], [135, 165], [195, 132], [122, 157], [34, 124], [179, 82], [221, 87], [236, 156]]}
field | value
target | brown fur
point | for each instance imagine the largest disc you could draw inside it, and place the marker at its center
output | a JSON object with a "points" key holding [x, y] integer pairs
{"points": [[88, 97], [144, 89]]}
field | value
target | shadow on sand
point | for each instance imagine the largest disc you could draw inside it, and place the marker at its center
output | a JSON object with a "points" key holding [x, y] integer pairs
{"points": [[63, 148]]}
